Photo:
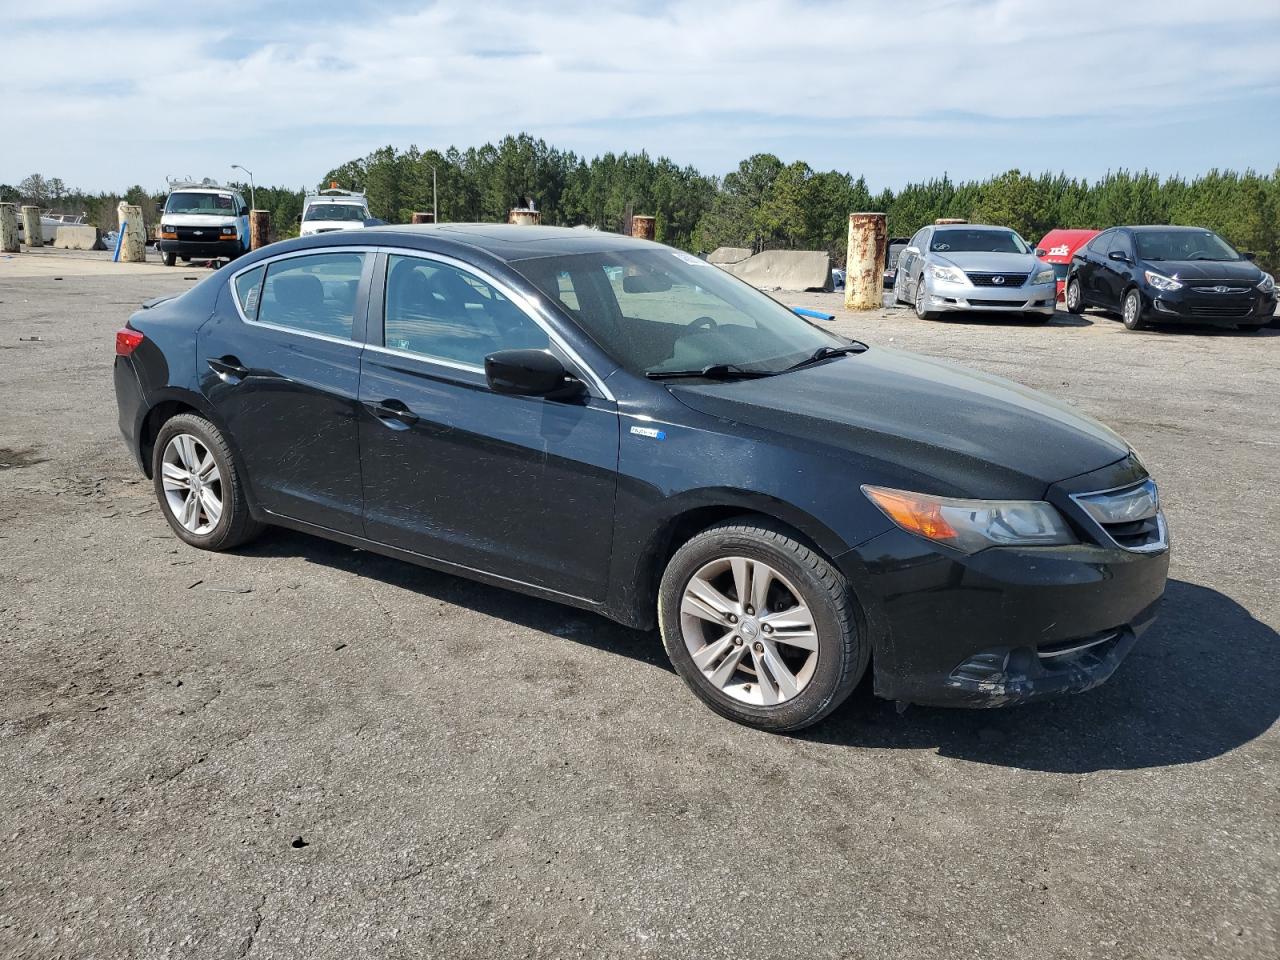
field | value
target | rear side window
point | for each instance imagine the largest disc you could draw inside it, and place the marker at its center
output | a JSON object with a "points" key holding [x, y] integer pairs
{"points": [[313, 294], [248, 289], [439, 311]]}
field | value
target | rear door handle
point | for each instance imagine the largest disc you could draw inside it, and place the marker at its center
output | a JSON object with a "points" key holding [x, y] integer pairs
{"points": [[229, 370], [393, 413]]}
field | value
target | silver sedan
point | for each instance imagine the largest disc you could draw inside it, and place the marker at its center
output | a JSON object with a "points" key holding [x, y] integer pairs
{"points": [[959, 267]]}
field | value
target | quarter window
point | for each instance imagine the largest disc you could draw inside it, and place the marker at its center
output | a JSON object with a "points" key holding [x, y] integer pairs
{"points": [[1101, 243], [248, 289], [445, 313], [313, 294]]}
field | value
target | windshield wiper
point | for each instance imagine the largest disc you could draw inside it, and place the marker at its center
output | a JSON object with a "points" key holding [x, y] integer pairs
{"points": [[717, 371], [826, 353]]}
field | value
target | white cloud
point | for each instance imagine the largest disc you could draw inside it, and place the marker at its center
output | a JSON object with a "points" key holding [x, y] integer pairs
{"points": [[132, 91]]}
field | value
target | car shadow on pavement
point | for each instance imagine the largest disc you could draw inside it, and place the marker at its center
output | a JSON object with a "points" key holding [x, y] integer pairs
{"points": [[559, 620], [1204, 680]]}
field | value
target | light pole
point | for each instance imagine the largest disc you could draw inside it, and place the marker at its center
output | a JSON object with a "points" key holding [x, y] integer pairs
{"points": [[253, 200], [435, 198]]}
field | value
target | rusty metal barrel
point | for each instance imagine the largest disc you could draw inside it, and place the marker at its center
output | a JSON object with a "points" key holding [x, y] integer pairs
{"points": [[864, 278], [644, 227], [259, 228], [524, 218], [422, 217], [943, 221]]}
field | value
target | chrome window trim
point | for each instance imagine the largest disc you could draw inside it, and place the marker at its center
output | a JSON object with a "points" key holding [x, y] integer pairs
{"points": [[524, 304], [266, 262], [1161, 542]]}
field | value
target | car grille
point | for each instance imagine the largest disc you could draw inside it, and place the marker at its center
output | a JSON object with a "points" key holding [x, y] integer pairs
{"points": [[1130, 517], [994, 303], [989, 279], [207, 234], [1232, 311]]}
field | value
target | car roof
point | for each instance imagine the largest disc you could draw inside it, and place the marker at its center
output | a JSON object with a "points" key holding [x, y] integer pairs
{"points": [[1150, 227], [511, 242], [947, 227]]}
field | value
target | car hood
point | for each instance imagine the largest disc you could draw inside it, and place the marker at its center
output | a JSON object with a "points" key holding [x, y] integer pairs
{"points": [[963, 432], [198, 219], [1240, 270], [988, 262]]}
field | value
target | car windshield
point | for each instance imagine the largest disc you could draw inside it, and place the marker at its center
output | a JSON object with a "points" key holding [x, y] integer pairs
{"points": [[216, 203], [336, 211], [978, 241], [665, 311], [1183, 245]]}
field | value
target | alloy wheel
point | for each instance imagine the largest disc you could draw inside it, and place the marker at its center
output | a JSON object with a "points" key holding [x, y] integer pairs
{"points": [[1131, 306], [749, 631], [192, 484]]}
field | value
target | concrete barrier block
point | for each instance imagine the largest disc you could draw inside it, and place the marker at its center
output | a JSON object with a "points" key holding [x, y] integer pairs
{"points": [[785, 270], [80, 236], [722, 255]]}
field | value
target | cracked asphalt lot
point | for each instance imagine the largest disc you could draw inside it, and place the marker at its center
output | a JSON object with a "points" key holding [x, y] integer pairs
{"points": [[302, 750]]}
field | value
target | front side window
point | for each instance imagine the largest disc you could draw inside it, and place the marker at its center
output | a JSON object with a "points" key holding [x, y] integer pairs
{"points": [[1184, 245], [663, 311], [313, 294], [445, 313], [978, 241], [220, 204], [1121, 243]]}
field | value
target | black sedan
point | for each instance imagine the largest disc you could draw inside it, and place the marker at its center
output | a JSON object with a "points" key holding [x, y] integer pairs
{"points": [[1170, 275], [619, 426]]}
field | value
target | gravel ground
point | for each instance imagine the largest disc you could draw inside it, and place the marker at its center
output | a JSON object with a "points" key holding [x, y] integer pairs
{"points": [[301, 750]]}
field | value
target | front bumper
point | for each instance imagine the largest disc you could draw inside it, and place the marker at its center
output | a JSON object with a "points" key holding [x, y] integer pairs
{"points": [[941, 296], [203, 249], [1190, 305], [1005, 625]]}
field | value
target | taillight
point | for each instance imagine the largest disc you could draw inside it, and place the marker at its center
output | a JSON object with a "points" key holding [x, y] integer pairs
{"points": [[127, 341]]}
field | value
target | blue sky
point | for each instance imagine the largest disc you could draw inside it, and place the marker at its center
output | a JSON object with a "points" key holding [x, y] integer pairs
{"points": [[110, 94]]}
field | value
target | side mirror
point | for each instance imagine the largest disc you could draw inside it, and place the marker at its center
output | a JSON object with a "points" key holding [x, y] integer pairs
{"points": [[244, 211], [1250, 256], [1118, 256], [1038, 251], [530, 373]]}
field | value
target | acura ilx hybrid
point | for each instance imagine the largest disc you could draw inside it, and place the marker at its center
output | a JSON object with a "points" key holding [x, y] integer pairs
{"points": [[619, 426]]}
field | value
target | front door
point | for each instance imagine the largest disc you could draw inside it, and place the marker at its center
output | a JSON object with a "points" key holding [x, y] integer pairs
{"points": [[519, 487], [282, 370]]}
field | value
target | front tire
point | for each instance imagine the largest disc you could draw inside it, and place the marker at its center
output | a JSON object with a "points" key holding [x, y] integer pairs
{"points": [[1131, 310], [760, 626], [1074, 297], [920, 299], [200, 488], [170, 259]]}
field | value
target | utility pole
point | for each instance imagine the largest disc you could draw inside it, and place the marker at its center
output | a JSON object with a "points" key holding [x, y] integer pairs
{"points": [[435, 198]]}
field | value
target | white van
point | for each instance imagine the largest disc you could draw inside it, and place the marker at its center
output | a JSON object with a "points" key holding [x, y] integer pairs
{"points": [[203, 221], [333, 209]]}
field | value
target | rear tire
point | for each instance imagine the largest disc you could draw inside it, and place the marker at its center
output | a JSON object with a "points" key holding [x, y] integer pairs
{"points": [[782, 657], [1131, 310], [199, 485], [1074, 297]]}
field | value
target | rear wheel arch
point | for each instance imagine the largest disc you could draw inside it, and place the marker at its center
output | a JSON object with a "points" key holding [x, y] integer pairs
{"points": [[167, 405]]}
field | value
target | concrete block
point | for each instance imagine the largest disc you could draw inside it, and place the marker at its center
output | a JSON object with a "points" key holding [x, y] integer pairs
{"points": [[722, 255], [785, 270], [79, 236]]}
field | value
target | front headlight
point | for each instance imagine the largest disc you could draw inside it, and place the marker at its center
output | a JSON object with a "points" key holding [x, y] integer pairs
{"points": [[1268, 284], [946, 274], [1044, 276], [973, 525], [1161, 282]]}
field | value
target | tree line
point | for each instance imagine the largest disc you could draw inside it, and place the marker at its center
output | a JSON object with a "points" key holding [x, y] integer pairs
{"points": [[763, 204]]}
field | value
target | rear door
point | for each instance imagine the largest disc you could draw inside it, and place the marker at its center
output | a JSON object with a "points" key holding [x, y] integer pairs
{"points": [[282, 369], [519, 487]]}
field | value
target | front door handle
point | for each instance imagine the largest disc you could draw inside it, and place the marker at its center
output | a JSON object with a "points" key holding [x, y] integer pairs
{"points": [[392, 412], [229, 370]]}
